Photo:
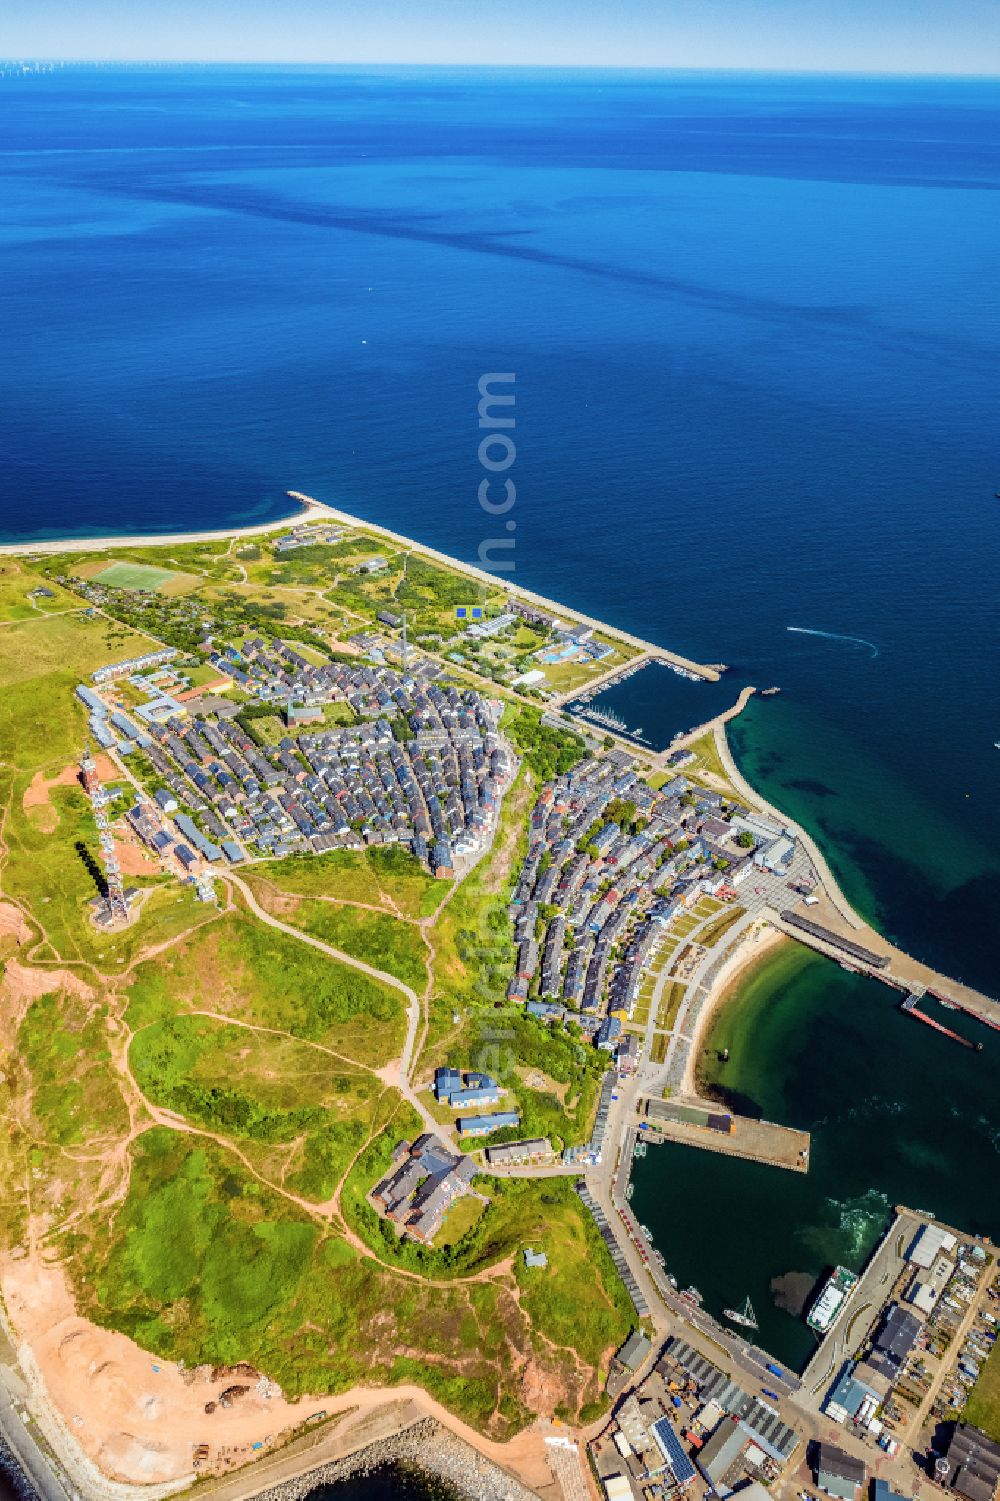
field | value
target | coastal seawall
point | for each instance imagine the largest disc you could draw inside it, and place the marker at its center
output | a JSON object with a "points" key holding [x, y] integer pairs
{"points": [[710, 673], [716, 725], [425, 1446], [835, 915]]}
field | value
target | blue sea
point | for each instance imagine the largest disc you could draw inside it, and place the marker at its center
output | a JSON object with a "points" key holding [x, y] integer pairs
{"points": [[754, 322]]}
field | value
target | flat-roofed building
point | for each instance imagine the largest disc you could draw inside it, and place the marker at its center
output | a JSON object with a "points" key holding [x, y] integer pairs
{"points": [[928, 1243], [483, 1125], [670, 1446], [635, 1351], [851, 1393], [618, 1488]]}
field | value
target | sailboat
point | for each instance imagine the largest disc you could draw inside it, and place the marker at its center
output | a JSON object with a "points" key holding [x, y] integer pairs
{"points": [[744, 1315]]}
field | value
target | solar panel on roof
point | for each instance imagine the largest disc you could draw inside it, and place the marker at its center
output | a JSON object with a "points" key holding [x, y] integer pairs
{"points": [[670, 1446]]}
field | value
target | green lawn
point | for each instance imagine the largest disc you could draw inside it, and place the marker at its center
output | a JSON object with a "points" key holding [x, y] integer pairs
{"points": [[61, 1108], [708, 761], [76, 1098], [670, 1003], [17, 581], [240, 1082], [273, 728], [383, 941], [203, 1263], [133, 576], [56, 873], [578, 1302], [257, 1088], [983, 1406], [711, 935], [42, 725], [213, 1253], [459, 1220]]}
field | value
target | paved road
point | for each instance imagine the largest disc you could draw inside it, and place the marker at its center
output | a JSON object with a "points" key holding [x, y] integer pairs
{"points": [[37, 1468], [949, 1362]]}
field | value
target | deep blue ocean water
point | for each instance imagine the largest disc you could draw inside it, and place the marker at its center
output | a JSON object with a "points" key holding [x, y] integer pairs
{"points": [[754, 325]]}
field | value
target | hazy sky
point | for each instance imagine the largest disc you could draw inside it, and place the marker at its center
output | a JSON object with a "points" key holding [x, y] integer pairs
{"points": [[961, 36]]}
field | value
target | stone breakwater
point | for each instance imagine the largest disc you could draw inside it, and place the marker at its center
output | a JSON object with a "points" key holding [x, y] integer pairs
{"points": [[426, 1447], [13, 1481]]}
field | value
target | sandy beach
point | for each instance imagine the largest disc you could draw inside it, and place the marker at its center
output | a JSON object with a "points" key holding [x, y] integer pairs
{"points": [[759, 941], [309, 511], [315, 511]]}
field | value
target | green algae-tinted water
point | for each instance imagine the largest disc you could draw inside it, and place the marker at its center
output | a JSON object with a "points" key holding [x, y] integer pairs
{"points": [[898, 1114]]}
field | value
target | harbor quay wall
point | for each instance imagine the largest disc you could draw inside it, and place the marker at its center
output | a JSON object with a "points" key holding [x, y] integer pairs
{"points": [[902, 972], [753, 1361], [688, 737], [863, 1309], [837, 914], [753, 797]]}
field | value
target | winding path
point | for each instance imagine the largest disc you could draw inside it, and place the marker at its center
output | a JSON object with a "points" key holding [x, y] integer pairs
{"points": [[414, 1012]]}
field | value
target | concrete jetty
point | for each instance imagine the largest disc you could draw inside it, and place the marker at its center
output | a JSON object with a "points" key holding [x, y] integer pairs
{"points": [[685, 1121], [607, 679], [861, 1311], [718, 723]]}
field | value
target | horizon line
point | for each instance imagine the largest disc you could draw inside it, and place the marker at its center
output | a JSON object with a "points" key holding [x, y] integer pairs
{"points": [[580, 67]]}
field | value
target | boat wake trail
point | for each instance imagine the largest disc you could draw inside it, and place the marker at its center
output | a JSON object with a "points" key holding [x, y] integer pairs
{"points": [[801, 630]]}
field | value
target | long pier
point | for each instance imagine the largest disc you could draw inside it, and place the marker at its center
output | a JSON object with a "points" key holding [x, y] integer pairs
{"points": [[827, 932], [912, 1009], [835, 929]]}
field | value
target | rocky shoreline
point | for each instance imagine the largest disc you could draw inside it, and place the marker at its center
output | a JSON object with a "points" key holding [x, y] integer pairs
{"points": [[427, 1448]]}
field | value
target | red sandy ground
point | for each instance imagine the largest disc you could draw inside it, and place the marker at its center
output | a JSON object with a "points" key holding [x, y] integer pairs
{"points": [[140, 1418], [37, 795]]}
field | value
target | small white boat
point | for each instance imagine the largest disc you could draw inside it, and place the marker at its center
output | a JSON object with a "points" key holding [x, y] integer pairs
{"points": [[744, 1316]]}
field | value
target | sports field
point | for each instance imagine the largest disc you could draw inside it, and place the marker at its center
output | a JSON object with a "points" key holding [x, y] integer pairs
{"points": [[134, 576]]}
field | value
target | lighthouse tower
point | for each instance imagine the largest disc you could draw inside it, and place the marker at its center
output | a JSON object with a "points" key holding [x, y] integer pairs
{"points": [[88, 772]]}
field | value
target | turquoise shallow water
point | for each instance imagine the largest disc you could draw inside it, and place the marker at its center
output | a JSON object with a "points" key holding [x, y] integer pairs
{"points": [[754, 326], [898, 1115]]}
